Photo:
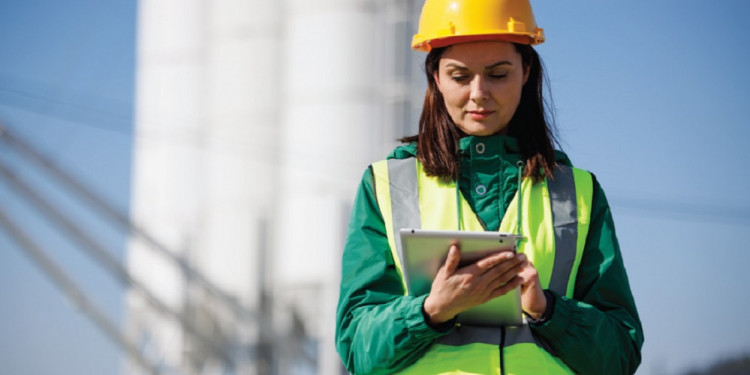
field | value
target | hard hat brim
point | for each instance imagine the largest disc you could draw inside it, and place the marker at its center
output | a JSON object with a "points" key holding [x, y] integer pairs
{"points": [[420, 44]]}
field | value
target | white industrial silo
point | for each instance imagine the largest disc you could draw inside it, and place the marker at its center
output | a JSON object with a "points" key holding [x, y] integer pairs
{"points": [[254, 123]]}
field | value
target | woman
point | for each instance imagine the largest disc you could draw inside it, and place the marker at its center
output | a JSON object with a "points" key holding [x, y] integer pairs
{"points": [[484, 160]]}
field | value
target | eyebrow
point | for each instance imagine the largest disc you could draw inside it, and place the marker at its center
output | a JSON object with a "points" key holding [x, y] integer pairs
{"points": [[504, 62], [499, 63]]}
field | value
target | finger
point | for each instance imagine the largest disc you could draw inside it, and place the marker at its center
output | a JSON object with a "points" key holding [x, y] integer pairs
{"points": [[529, 274], [506, 288], [504, 273], [512, 263], [493, 260], [453, 259]]}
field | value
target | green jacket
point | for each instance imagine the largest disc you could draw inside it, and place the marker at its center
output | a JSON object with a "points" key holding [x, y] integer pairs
{"points": [[379, 330]]}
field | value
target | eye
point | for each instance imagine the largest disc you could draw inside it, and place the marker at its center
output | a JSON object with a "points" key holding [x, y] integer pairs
{"points": [[498, 75], [460, 78]]}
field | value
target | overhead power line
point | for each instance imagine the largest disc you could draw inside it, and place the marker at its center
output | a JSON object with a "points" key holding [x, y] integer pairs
{"points": [[87, 109], [82, 108], [684, 211]]}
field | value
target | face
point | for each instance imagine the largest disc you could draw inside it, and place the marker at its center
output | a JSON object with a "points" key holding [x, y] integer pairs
{"points": [[481, 84]]}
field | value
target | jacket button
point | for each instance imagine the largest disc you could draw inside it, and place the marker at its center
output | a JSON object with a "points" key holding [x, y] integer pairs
{"points": [[481, 189], [480, 148]]}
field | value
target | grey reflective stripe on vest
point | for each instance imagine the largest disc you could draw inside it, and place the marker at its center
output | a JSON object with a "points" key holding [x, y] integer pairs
{"points": [[404, 190], [402, 177], [562, 193], [464, 334]]}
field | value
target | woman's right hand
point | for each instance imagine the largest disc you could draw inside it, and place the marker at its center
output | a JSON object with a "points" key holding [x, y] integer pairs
{"points": [[456, 290]]}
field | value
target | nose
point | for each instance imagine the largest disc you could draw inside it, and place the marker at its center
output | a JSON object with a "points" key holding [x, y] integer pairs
{"points": [[478, 89]]}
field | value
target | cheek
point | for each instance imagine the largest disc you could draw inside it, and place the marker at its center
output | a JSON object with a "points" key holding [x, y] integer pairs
{"points": [[514, 98], [454, 105], [451, 109], [511, 95], [454, 97]]}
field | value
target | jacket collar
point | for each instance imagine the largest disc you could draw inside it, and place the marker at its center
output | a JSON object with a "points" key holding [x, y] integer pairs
{"points": [[496, 144]]}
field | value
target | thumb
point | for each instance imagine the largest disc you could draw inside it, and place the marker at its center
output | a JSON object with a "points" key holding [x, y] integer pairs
{"points": [[453, 259]]}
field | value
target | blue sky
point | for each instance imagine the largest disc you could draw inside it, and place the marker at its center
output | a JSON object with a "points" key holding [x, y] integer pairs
{"points": [[650, 96], [66, 85]]}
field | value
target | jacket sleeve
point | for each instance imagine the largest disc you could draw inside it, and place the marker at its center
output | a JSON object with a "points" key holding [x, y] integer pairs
{"points": [[378, 329], [598, 331]]}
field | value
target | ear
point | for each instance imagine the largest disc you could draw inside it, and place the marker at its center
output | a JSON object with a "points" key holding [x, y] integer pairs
{"points": [[526, 73]]}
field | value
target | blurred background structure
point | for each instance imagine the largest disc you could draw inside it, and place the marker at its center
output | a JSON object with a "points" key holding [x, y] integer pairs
{"points": [[254, 122], [176, 176]]}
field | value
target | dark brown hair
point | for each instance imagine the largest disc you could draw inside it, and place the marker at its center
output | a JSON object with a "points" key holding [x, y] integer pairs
{"points": [[437, 141]]}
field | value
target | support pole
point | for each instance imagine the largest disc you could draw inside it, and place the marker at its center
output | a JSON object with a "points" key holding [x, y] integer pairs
{"points": [[120, 219], [105, 259], [66, 284]]}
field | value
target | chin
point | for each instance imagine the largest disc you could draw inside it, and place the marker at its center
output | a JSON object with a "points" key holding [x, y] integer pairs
{"points": [[482, 131]]}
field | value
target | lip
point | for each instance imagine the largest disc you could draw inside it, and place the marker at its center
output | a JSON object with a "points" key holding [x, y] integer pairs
{"points": [[479, 115]]}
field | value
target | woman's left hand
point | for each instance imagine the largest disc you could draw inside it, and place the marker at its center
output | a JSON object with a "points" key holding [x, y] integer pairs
{"points": [[533, 300]]}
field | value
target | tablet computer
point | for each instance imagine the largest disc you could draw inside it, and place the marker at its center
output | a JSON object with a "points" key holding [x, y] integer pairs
{"points": [[423, 252]]}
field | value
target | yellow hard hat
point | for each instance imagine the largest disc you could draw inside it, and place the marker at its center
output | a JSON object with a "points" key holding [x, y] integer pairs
{"points": [[446, 22]]}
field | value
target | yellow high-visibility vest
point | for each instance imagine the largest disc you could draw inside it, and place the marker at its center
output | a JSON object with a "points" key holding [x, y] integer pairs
{"points": [[555, 215]]}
